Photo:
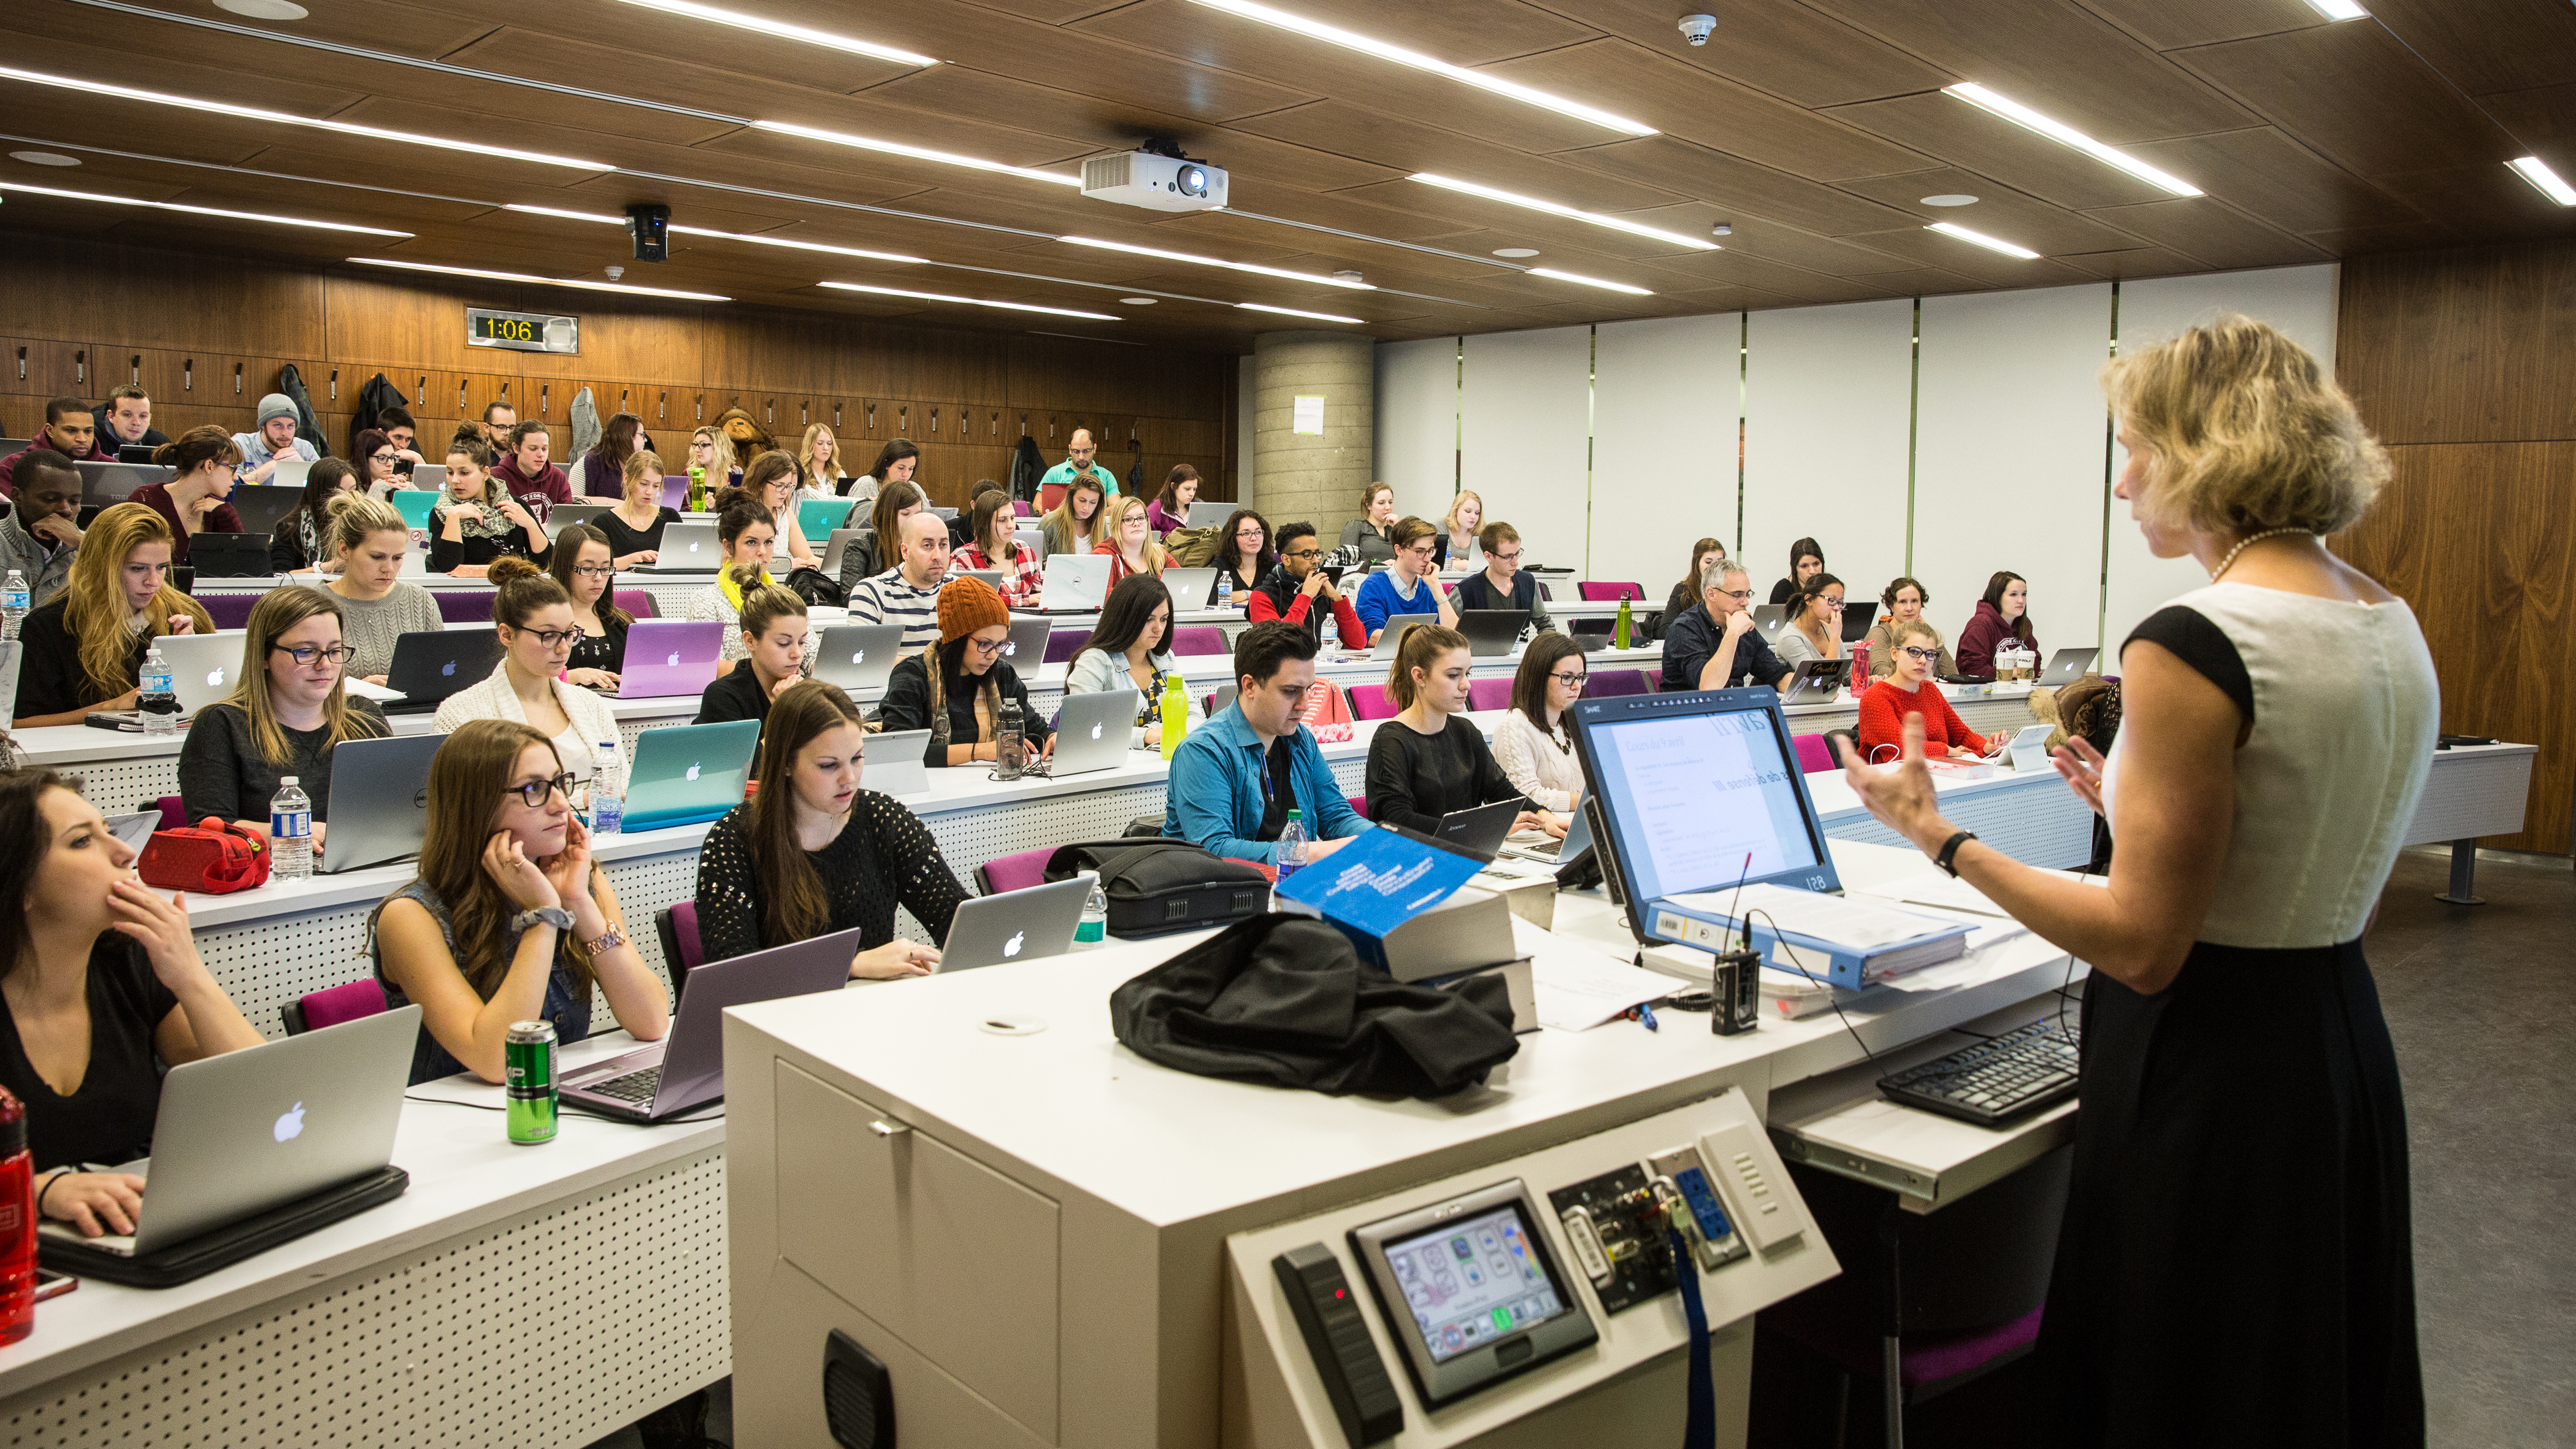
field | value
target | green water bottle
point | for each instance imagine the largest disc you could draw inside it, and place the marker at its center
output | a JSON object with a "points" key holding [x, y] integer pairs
{"points": [[1176, 713], [1619, 636]]}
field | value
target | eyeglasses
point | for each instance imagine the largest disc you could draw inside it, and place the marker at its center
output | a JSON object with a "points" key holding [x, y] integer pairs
{"points": [[591, 571], [552, 638], [307, 655], [1920, 656], [1830, 602], [1738, 595], [537, 792], [386, 456], [1303, 553], [988, 648], [1571, 681]]}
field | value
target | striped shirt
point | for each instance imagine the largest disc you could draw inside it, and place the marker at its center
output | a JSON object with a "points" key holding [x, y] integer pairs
{"points": [[889, 598]]}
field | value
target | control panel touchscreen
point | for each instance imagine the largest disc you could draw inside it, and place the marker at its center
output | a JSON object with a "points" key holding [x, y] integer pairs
{"points": [[1473, 1282], [1471, 1291]]}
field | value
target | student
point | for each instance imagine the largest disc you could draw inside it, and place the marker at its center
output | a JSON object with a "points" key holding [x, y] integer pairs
{"points": [[775, 645], [70, 433], [1243, 551], [533, 616], [1903, 599], [881, 547], [370, 541], [1171, 508], [1373, 532], [84, 651], [771, 478], [1682, 594], [125, 420], [288, 712], [711, 458], [1428, 760], [1500, 584], [509, 920], [271, 441], [955, 687], [1815, 622], [1533, 744], [1078, 465], [1075, 525], [991, 545], [1234, 781], [1458, 547], [1407, 585], [895, 464], [603, 468], [375, 455], [1131, 545], [402, 432], [1806, 560], [812, 853], [478, 521], [494, 429], [584, 565], [819, 457], [101, 992], [204, 468], [301, 539], [2003, 615], [1886, 704], [1714, 644], [747, 531], [1129, 649], [908, 594], [528, 475], [634, 527], [40, 534], [1298, 590], [961, 528]]}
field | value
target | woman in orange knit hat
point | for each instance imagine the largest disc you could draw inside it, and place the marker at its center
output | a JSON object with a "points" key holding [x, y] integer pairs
{"points": [[956, 688]]}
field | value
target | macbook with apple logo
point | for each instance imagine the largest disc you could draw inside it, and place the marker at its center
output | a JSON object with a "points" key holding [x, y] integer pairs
{"points": [[689, 774], [204, 668], [1020, 925], [1094, 732], [687, 548], [1027, 646], [430, 665], [858, 657], [668, 658]]}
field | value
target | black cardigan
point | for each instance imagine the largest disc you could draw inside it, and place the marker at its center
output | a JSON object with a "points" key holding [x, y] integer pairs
{"points": [[50, 677], [1414, 778], [907, 707]]}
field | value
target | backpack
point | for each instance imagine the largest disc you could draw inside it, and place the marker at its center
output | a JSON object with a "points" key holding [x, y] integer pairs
{"points": [[1191, 548], [1327, 712], [1159, 885]]}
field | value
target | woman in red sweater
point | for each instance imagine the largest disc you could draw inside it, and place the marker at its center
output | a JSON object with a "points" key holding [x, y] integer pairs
{"points": [[1884, 708]]}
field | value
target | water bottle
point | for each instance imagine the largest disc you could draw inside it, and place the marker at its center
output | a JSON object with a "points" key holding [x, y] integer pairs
{"points": [[160, 707], [1859, 651], [1292, 844], [697, 490], [1328, 632], [1619, 635], [290, 832], [1176, 713], [1006, 742], [1094, 928], [17, 1223], [14, 603], [607, 795], [1225, 588]]}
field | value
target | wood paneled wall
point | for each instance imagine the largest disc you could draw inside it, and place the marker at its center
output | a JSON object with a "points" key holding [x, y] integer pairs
{"points": [[2464, 362], [206, 335]]}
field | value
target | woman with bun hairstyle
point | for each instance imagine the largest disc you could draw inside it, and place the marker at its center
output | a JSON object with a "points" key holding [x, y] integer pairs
{"points": [[301, 539], [747, 530], [955, 687], [533, 616], [287, 714], [83, 649], [369, 541]]}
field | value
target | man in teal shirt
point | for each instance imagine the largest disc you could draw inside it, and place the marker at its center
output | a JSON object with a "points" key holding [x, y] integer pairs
{"points": [[1235, 778], [1078, 453]]}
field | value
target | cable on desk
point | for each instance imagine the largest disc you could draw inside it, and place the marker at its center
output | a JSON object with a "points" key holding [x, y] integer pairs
{"points": [[1796, 965]]}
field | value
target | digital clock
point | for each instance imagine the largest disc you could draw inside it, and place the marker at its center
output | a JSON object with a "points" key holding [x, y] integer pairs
{"points": [[521, 331]]}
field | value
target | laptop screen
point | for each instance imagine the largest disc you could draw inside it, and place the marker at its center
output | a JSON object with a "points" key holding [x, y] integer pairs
{"points": [[1695, 783]]}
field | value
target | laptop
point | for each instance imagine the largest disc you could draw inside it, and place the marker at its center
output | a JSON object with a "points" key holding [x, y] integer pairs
{"points": [[1818, 681], [1211, 514], [675, 489], [246, 1132], [689, 774], [1770, 619], [1020, 925], [1027, 646], [894, 763], [1492, 633], [858, 656], [416, 504], [564, 515], [1578, 839], [125, 452], [106, 483], [263, 506], [379, 801], [1075, 583], [839, 544], [989, 578], [1397, 626], [2029, 748], [204, 668], [135, 830], [670, 658], [1031, 541], [685, 1070], [2067, 666], [1480, 830], [1190, 588], [429, 666], [1094, 732], [687, 548], [819, 517], [289, 475], [946, 515], [1857, 618], [230, 556]]}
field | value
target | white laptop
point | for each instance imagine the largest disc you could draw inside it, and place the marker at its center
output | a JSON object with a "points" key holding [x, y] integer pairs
{"points": [[894, 763], [1209, 514], [1397, 626], [2029, 748], [286, 475], [203, 669], [1075, 583], [687, 548], [1094, 732], [1020, 925], [1190, 588], [858, 656], [837, 545]]}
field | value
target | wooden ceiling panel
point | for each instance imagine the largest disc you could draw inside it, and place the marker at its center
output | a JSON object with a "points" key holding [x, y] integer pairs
{"points": [[1770, 241], [2402, 236], [2263, 172], [1514, 225], [2358, 95], [2205, 228], [1996, 148], [1786, 50], [1467, 35], [1993, 268], [2543, 120], [1999, 211], [1743, 269], [2174, 24], [2484, 46], [690, 205], [1737, 185], [1406, 146], [2135, 262], [2491, 201], [1149, 70], [1223, 234]]}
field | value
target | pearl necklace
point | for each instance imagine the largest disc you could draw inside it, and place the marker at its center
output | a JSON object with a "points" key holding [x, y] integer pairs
{"points": [[2242, 544]]}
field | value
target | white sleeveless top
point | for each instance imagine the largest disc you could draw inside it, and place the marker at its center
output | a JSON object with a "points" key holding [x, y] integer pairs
{"points": [[2346, 711]]}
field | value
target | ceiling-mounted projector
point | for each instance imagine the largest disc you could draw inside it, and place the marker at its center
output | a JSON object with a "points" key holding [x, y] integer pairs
{"points": [[1151, 178]]}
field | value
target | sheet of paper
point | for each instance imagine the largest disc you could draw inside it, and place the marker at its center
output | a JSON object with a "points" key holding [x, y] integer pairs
{"points": [[1308, 414], [1516, 868], [1580, 987], [1932, 888], [1839, 919], [377, 692]]}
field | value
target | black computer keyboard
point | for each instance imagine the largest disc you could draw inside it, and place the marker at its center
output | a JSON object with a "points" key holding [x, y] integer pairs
{"points": [[1995, 1081], [637, 1087]]}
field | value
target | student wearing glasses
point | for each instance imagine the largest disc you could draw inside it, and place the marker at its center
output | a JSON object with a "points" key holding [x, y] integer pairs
{"points": [[533, 616], [287, 714], [1713, 645], [955, 687], [1299, 591], [1885, 705], [1532, 743], [509, 919], [375, 455], [1501, 584], [1131, 545], [1243, 551], [583, 565], [1408, 585], [1815, 622]]}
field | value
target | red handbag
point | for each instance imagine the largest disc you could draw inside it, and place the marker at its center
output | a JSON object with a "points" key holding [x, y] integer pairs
{"points": [[213, 857]]}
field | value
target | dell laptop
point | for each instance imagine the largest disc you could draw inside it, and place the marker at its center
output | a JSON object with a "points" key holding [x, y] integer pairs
{"points": [[670, 658], [1492, 633], [230, 556], [685, 1070], [2067, 666], [379, 801], [204, 668], [1075, 584], [689, 774], [1397, 626], [1020, 925], [687, 548], [263, 506], [1818, 681], [894, 764], [858, 657], [1094, 732], [1190, 589]]}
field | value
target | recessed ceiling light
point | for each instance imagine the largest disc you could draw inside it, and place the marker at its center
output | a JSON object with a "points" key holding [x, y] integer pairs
{"points": [[1516, 252], [765, 26], [264, 9], [574, 282], [969, 301], [736, 236], [1138, 301], [1950, 198], [44, 158], [1085, 241], [1570, 213], [198, 210], [2338, 9], [1978, 238], [1368, 46], [2066, 135], [253, 113], [2537, 172], [1589, 281], [918, 153], [1293, 312]]}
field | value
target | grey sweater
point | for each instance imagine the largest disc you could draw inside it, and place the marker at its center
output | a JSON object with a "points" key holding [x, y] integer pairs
{"points": [[370, 626]]}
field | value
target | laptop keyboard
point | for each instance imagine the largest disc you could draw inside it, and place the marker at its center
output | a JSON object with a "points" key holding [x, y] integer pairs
{"points": [[636, 1086]]}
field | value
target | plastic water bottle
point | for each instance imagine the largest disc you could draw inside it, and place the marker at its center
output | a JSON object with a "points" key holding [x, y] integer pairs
{"points": [[1619, 634], [290, 832], [1225, 588], [1292, 844], [1006, 742], [607, 796], [14, 603], [160, 707], [1328, 632], [1176, 713], [1094, 927]]}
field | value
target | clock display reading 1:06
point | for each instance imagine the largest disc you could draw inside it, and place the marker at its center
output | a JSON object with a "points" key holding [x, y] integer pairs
{"points": [[521, 331]]}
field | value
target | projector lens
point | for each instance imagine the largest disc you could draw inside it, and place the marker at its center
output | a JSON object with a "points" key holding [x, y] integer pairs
{"points": [[1193, 181]]}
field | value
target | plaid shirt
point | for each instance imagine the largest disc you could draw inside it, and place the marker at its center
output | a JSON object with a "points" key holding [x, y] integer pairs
{"points": [[1021, 577]]}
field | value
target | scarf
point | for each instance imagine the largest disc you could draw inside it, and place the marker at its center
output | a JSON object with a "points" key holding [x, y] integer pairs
{"points": [[731, 588], [483, 521]]}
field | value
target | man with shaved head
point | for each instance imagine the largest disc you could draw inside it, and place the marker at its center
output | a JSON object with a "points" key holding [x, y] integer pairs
{"points": [[1079, 450], [908, 593]]}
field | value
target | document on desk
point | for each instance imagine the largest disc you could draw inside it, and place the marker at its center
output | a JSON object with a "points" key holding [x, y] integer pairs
{"points": [[1580, 987], [377, 692], [1842, 920]]}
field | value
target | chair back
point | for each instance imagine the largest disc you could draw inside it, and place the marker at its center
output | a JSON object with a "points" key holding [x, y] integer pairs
{"points": [[677, 927], [1369, 701], [1489, 693], [638, 603], [174, 811], [1606, 683], [1814, 755], [1013, 872], [333, 1005], [465, 606], [1198, 639], [229, 611], [1608, 592], [1063, 644]]}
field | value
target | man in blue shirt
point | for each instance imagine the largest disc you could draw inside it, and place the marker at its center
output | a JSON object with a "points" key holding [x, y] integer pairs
{"points": [[1235, 778], [1079, 450], [1410, 584], [1714, 644]]}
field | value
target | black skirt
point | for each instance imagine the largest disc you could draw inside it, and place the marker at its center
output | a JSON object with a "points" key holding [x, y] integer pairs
{"points": [[2235, 1266]]}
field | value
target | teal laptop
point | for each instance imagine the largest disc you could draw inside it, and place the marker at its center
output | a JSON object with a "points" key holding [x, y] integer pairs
{"points": [[817, 517], [689, 774], [414, 504]]}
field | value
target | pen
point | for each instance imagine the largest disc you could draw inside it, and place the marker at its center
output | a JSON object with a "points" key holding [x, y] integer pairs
{"points": [[1645, 1014]]}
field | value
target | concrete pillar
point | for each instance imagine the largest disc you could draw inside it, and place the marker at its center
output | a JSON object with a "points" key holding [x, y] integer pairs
{"points": [[1306, 476]]}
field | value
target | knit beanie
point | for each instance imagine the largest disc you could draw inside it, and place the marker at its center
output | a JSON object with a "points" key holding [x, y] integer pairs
{"points": [[275, 405], [966, 605]]}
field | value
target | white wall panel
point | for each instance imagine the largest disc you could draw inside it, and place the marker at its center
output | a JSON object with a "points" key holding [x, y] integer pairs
{"points": [[1827, 398], [1417, 422], [1663, 444], [2298, 300], [1526, 413], [2009, 455]]}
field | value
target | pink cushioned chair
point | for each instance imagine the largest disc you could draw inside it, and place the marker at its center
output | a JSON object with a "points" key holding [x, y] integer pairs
{"points": [[315, 1010], [466, 606], [1489, 693], [174, 811], [1013, 872], [1197, 639], [1814, 755], [1369, 701], [1608, 592], [1610, 682], [638, 603]]}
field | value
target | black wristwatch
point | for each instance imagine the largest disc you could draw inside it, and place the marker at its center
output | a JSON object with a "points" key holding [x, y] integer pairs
{"points": [[1950, 852]]}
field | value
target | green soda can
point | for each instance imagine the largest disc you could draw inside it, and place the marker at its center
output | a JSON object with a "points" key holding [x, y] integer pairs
{"points": [[528, 1062]]}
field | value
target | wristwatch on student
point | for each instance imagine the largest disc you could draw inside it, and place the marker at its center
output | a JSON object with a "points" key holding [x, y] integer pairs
{"points": [[555, 916], [1949, 855]]}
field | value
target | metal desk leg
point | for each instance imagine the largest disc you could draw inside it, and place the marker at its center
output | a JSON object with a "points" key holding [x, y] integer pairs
{"points": [[1892, 1328], [2464, 874]]}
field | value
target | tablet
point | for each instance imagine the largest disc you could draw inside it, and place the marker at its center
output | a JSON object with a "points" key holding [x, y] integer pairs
{"points": [[1471, 1290]]}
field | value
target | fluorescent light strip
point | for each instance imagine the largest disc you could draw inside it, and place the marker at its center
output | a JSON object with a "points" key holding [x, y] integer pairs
{"points": [[1978, 238], [1553, 274], [785, 31], [971, 301], [739, 236], [254, 113], [1293, 312], [1553, 209], [2338, 9], [2551, 184], [1193, 257], [1365, 45], [2066, 135], [197, 210], [918, 153], [540, 281]]}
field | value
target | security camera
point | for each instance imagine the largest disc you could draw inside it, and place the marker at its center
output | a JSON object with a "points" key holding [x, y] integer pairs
{"points": [[1697, 28], [616, 272], [1721, 229]]}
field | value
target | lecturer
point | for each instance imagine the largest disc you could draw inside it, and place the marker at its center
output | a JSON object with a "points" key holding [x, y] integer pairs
{"points": [[2235, 1266]]}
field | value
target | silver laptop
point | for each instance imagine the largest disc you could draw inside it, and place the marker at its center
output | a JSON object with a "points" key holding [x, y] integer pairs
{"points": [[565, 515], [203, 670], [1212, 514], [1190, 588], [894, 763], [2067, 666], [379, 801], [1397, 626], [243, 1133], [429, 477], [1094, 732], [1075, 583], [687, 548], [1027, 646], [1020, 925], [1770, 619], [685, 1070], [2029, 748], [11, 652], [1031, 541], [135, 830], [858, 656], [289, 474], [839, 544], [989, 578]]}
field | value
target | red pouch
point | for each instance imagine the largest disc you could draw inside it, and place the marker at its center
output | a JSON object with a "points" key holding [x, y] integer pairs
{"points": [[213, 857]]}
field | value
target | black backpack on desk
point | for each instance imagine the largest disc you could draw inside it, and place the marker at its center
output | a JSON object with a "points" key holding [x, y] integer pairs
{"points": [[1157, 885]]}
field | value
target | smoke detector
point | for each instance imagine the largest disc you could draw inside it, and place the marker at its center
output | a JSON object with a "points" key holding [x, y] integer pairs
{"points": [[1698, 28]]}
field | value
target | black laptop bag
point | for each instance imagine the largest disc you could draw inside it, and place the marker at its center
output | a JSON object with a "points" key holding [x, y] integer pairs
{"points": [[1155, 886]]}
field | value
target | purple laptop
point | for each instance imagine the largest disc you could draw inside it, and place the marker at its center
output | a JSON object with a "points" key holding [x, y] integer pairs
{"points": [[668, 657]]}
